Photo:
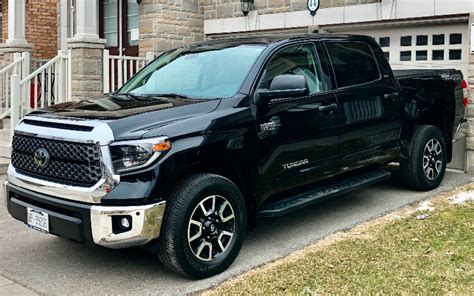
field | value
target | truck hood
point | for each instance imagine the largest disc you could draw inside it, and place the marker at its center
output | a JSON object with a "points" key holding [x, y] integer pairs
{"points": [[130, 118]]}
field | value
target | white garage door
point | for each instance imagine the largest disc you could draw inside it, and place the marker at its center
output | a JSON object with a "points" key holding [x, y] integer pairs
{"points": [[435, 47], [443, 46]]}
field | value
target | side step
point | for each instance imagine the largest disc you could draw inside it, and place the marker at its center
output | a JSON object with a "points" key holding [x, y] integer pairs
{"points": [[346, 184]]}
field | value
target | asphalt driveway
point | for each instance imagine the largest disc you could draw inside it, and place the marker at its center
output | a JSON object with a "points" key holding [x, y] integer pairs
{"points": [[52, 265]]}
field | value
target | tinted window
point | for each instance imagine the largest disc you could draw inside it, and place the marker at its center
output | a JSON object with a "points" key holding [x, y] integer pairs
{"points": [[384, 42], [387, 55], [455, 54], [421, 55], [295, 60], [353, 63], [438, 39], [405, 56], [438, 55], [405, 41], [422, 40], [455, 39]]}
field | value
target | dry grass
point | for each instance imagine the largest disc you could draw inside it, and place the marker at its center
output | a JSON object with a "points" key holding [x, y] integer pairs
{"points": [[395, 254]]}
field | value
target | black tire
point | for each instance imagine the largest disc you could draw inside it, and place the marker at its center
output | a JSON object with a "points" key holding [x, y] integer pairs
{"points": [[174, 250], [412, 170]]}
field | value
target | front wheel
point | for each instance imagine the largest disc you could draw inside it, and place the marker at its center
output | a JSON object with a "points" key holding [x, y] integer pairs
{"points": [[203, 227], [424, 169]]}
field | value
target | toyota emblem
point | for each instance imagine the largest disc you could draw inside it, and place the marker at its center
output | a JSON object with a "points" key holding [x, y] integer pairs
{"points": [[41, 157]]}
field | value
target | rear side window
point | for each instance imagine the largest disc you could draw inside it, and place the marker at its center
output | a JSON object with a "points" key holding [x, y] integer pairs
{"points": [[353, 63]]}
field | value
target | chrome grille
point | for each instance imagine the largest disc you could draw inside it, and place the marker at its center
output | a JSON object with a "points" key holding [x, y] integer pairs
{"points": [[70, 163]]}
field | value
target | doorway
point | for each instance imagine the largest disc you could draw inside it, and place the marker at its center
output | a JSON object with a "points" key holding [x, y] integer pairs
{"points": [[119, 26]]}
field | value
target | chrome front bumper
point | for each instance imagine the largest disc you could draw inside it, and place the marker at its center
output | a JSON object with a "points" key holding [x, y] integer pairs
{"points": [[93, 222], [145, 226]]}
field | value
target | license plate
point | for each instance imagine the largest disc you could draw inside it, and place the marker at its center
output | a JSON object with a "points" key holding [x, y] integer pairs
{"points": [[38, 220]]}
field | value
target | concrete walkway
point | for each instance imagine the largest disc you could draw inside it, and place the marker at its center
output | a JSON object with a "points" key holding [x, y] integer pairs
{"points": [[9, 287]]}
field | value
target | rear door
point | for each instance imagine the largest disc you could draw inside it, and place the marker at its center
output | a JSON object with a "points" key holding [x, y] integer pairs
{"points": [[370, 104], [298, 137]]}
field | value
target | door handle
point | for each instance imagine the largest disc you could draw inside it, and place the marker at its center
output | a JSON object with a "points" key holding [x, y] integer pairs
{"points": [[392, 96], [330, 107]]}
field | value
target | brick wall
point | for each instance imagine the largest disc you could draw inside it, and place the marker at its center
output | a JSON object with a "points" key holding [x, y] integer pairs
{"points": [[41, 27], [231, 8], [166, 24]]}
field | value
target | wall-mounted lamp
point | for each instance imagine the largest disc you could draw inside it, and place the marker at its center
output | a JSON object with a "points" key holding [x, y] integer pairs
{"points": [[246, 6]]}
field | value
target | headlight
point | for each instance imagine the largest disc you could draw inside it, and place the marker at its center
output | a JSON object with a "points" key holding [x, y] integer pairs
{"points": [[132, 155]]}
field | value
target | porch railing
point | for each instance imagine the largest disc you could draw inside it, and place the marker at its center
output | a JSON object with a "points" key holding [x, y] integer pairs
{"points": [[21, 67], [49, 84], [119, 69]]}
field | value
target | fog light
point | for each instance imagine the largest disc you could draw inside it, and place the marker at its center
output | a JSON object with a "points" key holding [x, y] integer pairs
{"points": [[125, 223], [122, 223]]}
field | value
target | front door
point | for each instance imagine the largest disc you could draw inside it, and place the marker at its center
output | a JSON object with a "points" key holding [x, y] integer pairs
{"points": [[298, 137], [119, 26], [120, 29]]}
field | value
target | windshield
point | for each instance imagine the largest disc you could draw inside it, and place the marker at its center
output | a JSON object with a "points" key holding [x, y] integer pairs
{"points": [[210, 73]]}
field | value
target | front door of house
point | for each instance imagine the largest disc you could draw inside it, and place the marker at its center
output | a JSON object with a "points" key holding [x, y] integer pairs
{"points": [[119, 27]]}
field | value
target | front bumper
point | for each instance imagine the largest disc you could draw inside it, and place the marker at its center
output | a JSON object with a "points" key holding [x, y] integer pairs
{"points": [[92, 224]]}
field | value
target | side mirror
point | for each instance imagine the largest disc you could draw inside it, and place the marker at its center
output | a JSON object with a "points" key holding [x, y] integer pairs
{"points": [[284, 86]]}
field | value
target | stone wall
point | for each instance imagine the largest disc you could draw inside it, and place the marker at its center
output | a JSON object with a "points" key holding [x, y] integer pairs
{"points": [[216, 9], [166, 24], [470, 109], [41, 27]]}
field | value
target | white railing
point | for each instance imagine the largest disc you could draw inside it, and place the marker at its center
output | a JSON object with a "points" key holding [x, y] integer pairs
{"points": [[119, 69], [19, 66], [49, 84]]}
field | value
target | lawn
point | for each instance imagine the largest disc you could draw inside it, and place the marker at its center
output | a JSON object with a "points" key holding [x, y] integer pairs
{"points": [[401, 253]]}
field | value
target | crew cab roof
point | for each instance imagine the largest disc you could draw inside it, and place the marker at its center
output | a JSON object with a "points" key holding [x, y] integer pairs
{"points": [[273, 39]]}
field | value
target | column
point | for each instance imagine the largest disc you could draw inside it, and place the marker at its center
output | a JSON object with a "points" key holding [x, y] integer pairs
{"points": [[16, 41], [86, 52]]}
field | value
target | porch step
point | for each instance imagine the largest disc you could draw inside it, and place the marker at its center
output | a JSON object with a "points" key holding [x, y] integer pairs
{"points": [[343, 184]]}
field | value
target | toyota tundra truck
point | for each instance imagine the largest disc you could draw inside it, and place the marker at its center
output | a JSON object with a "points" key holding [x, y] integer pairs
{"points": [[207, 138]]}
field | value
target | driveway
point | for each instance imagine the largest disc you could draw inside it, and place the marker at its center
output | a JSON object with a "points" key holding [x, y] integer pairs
{"points": [[52, 265]]}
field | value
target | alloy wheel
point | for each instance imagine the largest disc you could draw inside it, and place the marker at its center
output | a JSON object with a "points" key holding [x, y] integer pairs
{"points": [[211, 227], [432, 159]]}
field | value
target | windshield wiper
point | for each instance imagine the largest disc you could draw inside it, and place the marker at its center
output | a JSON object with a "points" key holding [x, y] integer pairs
{"points": [[170, 95]]}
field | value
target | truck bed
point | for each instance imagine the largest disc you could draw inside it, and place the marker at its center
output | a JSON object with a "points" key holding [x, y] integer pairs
{"points": [[408, 73]]}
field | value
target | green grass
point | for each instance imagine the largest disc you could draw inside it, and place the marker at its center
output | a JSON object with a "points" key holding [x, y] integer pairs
{"points": [[408, 256]]}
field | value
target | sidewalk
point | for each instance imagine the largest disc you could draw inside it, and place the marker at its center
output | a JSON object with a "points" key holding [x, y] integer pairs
{"points": [[9, 287]]}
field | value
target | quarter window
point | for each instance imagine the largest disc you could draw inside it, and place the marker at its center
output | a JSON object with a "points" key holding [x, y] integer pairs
{"points": [[353, 63], [294, 60]]}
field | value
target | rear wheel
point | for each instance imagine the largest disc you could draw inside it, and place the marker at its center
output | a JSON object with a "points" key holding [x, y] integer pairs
{"points": [[425, 167], [204, 226]]}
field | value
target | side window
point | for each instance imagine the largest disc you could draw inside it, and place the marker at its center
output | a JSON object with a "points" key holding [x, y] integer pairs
{"points": [[353, 63], [295, 60]]}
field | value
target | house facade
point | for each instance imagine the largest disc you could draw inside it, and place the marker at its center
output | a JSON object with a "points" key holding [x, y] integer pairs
{"points": [[101, 43]]}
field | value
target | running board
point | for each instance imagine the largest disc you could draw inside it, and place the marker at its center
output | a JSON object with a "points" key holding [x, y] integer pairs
{"points": [[283, 206]]}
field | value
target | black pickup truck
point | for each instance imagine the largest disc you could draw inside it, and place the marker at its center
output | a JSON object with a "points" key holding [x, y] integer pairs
{"points": [[209, 137]]}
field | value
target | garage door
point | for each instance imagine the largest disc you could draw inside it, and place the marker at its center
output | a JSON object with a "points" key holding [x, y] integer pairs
{"points": [[434, 47]]}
